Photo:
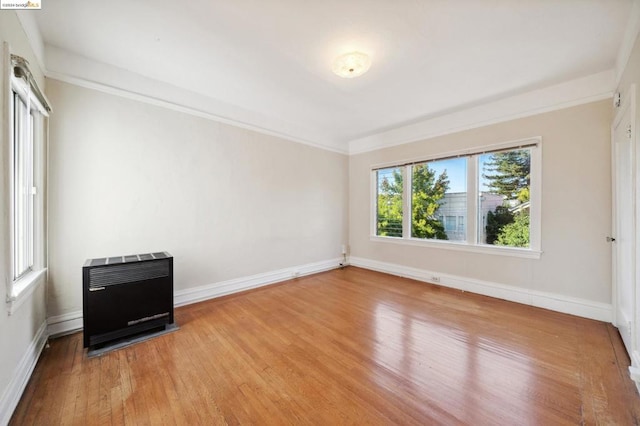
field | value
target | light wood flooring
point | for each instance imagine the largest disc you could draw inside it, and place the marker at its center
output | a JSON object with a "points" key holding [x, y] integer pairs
{"points": [[348, 346]]}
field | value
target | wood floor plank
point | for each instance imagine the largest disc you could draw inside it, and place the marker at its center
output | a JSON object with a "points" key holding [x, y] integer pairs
{"points": [[348, 346]]}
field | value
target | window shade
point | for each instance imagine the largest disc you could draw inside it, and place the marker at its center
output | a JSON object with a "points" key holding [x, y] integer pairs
{"points": [[21, 70], [465, 154]]}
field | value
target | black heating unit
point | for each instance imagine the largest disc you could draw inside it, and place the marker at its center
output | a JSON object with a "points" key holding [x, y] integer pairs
{"points": [[125, 296]]}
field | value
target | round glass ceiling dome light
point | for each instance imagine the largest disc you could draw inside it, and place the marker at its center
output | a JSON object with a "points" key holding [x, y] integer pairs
{"points": [[352, 64]]}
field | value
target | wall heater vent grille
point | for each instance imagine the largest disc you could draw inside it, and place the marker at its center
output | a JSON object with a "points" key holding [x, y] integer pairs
{"points": [[127, 273]]}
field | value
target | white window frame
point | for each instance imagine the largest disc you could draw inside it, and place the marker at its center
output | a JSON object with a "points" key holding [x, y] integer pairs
{"points": [[471, 244], [23, 284], [22, 247]]}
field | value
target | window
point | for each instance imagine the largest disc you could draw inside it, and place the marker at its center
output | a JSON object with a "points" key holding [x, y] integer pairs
{"points": [[460, 223], [504, 198], [439, 195], [487, 200], [23, 187], [389, 202], [26, 130]]}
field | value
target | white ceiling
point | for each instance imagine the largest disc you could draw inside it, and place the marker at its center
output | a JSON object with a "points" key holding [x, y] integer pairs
{"points": [[272, 58]]}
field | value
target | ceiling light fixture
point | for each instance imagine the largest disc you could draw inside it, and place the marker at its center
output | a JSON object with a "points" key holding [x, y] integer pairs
{"points": [[351, 65]]}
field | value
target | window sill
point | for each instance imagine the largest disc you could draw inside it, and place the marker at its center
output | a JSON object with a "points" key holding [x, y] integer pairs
{"points": [[23, 288], [448, 245]]}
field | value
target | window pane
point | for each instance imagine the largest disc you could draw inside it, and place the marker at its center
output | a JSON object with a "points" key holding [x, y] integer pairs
{"points": [[22, 184], [505, 179], [450, 223], [389, 202], [438, 198], [29, 191]]}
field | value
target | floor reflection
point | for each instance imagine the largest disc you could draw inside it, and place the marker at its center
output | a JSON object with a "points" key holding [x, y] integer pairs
{"points": [[471, 372]]}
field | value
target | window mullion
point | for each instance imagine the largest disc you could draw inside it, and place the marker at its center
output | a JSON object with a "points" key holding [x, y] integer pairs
{"points": [[472, 200], [406, 201], [535, 198]]}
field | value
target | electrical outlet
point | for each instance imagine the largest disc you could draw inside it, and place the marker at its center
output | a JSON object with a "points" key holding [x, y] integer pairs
{"points": [[435, 279]]}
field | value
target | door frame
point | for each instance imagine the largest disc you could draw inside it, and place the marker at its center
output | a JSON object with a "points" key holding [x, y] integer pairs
{"points": [[628, 103]]}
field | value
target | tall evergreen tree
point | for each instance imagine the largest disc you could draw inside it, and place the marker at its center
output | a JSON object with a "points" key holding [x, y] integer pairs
{"points": [[509, 173]]}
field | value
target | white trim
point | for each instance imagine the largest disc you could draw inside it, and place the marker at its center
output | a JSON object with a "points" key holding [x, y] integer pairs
{"points": [[223, 288], [373, 208], [20, 290], [23, 288], [634, 369], [473, 199], [60, 325], [628, 101], [535, 199], [407, 173], [460, 246], [580, 91], [614, 227], [555, 302], [471, 245], [13, 392], [6, 157], [625, 325], [473, 150], [71, 68], [635, 149], [72, 321], [631, 33], [186, 109]]}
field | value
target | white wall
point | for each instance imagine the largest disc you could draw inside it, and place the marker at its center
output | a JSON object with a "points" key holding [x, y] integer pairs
{"points": [[21, 334], [129, 177], [576, 208]]}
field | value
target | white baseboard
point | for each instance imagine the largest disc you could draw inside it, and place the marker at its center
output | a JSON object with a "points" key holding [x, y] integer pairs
{"points": [[60, 325], [13, 392], [554, 302], [634, 369], [223, 288], [71, 322]]}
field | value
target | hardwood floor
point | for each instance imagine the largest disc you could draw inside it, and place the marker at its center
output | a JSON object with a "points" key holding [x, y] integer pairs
{"points": [[345, 347]]}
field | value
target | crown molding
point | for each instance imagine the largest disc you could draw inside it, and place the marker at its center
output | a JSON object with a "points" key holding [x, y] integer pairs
{"points": [[631, 33], [73, 69], [564, 95], [133, 86], [30, 26], [70, 68], [181, 108]]}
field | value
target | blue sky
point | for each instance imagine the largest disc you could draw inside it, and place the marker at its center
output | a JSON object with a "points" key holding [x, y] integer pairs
{"points": [[457, 172]]}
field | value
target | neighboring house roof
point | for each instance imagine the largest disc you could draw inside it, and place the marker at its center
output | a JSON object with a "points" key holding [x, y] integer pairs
{"points": [[520, 207]]}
